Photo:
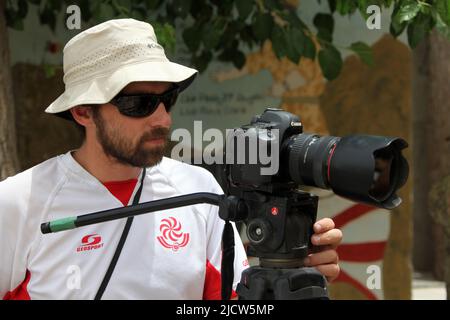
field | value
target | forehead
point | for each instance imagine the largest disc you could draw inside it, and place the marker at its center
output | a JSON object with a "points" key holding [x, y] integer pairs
{"points": [[147, 87]]}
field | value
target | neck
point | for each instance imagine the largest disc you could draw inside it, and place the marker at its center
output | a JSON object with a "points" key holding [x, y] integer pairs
{"points": [[103, 167]]}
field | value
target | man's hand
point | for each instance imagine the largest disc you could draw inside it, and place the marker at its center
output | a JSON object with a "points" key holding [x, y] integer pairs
{"points": [[323, 256]]}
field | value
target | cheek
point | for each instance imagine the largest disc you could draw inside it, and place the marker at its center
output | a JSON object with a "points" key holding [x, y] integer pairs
{"points": [[131, 130]]}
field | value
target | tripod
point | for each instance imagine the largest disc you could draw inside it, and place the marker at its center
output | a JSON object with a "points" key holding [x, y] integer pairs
{"points": [[279, 227]]}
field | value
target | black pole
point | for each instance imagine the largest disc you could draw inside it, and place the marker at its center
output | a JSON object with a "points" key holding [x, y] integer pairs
{"points": [[119, 213]]}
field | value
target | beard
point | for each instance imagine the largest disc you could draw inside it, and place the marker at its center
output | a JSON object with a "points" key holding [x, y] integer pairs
{"points": [[117, 146]]}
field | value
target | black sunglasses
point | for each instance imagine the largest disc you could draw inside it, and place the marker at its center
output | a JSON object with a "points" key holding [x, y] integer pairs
{"points": [[143, 105]]}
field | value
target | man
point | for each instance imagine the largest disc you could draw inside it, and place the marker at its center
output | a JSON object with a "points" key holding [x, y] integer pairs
{"points": [[120, 88]]}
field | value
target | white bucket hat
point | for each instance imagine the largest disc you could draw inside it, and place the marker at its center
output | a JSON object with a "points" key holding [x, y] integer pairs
{"points": [[100, 61]]}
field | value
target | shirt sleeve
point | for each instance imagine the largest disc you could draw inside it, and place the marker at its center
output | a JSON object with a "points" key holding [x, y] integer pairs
{"points": [[13, 263]]}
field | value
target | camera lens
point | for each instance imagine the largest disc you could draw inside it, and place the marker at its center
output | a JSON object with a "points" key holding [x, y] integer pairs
{"points": [[307, 156], [362, 168]]}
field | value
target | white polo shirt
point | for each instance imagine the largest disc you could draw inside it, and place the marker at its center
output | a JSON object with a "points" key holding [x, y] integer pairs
{"points": [[169, 254]]}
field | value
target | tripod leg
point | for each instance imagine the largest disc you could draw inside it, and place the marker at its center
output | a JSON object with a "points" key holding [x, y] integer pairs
{"points": [[255, 291], [301, 284]]}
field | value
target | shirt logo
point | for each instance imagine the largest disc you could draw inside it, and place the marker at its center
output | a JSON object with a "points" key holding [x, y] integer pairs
{"points": [[172, 237], [90, 242], [154, 46]]}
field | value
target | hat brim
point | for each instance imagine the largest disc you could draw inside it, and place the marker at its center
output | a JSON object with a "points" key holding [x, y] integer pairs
{"points": [[103, 88]]}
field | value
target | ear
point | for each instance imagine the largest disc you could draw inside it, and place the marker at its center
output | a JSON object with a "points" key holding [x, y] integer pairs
{"points": [[82, 115]]}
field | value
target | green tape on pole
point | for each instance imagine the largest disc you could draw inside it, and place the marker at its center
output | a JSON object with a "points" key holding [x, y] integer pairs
{"points": [[63, 224]]}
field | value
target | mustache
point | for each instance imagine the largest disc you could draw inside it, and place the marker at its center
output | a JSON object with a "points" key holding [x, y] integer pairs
{"points": [[156, 133]]}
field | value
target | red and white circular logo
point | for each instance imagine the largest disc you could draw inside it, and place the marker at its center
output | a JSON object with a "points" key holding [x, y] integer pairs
{"points": [[171, 235]]}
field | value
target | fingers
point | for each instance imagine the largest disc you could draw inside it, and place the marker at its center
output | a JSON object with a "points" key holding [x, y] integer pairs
{"points": [[323, 225], [326, 262], [323, 257], [331, 237], [330, 271]]}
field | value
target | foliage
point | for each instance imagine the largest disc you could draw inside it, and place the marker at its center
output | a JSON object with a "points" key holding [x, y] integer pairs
{"points": [[223, 29]]}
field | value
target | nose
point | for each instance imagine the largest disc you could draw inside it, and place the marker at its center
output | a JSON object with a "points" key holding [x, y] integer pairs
{"points": [[160, 118]]}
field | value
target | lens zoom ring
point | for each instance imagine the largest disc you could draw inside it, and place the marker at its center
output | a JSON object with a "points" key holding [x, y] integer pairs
{"points": [[295, 156]]}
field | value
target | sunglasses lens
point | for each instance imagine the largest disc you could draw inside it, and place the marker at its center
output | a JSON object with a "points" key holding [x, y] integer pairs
{"points": [[170, 100], [135, 106], [144, 105]]}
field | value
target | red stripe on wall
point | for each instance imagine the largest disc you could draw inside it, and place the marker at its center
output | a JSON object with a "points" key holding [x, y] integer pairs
{"points": [[361, 252], [351, 213], [345, 277], [20, 293]]}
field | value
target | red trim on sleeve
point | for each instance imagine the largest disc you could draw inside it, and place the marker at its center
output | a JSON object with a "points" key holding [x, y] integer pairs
{"points": [[122, 190], [21, 292], [213, 285]]}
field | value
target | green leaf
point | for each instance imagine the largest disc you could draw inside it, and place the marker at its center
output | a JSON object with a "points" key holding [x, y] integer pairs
{"points": [[119, 9], [262, 26], [345, 7], [293, 47], [294, 44], [238, 59], [443, 28], [86, 13], [181, 8], [152, 4], [138, 11], [279, 44], [332, 5], [191, 38], [166, 35], [363, 51], [331, 62], [297, 39], [272, 5], [227, 54], [396, 28], [246, 35], [309, 48], [244, 8], [211, 36], [201, 62], [23, 9], [55, 5], [101, 13], [325, 24], [419, 29], [407, 12], [294, 20], [49, 70], [224, 7], [48, 17], [443, 8], [201, 11], [14, 22], [362, 6]]}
